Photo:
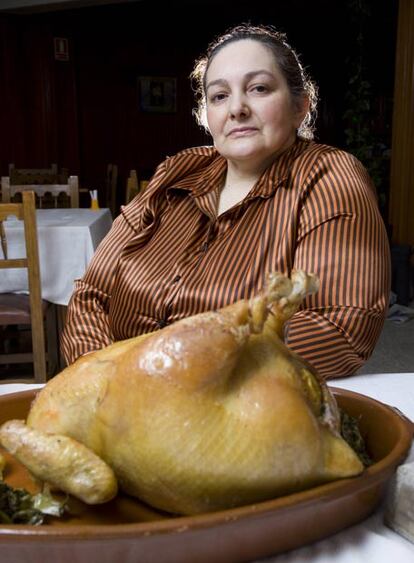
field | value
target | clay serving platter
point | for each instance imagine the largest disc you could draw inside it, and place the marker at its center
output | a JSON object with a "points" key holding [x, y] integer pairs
{"points": [[129, 531]]}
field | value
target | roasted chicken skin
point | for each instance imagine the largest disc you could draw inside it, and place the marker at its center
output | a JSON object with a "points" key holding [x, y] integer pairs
{"points": [[209, 413]]}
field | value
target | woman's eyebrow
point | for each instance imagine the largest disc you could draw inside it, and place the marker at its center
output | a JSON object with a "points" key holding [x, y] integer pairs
{"points": [[248, 76], [218, 82], [254, 73]]}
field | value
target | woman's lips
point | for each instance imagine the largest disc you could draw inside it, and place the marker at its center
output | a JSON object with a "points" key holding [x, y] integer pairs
{"points": [[242, 131]]}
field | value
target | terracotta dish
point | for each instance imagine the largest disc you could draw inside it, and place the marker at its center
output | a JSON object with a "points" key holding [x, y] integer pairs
{"points": [[129, 531]]}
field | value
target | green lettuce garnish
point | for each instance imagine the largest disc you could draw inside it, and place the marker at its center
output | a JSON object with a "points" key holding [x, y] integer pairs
{"points": [[18, 506]]}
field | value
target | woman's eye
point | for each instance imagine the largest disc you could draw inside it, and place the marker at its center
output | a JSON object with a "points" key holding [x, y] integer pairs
{"points": [[217, 97], [260, 88]]}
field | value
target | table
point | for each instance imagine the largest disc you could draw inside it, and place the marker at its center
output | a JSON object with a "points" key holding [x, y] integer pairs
{"points": [[67, 240], [369, 541]]}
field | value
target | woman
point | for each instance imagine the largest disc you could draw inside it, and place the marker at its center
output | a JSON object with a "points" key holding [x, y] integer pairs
{"points": [[214, 220]]}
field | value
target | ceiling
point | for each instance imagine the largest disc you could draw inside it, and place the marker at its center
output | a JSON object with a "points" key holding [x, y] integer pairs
{"points": [[32, 6]]}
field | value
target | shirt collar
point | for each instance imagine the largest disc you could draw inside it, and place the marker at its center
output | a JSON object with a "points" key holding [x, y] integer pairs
{"points": [[205, 179], [278, 171]]}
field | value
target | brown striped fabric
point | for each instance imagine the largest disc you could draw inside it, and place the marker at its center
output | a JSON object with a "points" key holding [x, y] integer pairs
{"points": [[169, 255]]}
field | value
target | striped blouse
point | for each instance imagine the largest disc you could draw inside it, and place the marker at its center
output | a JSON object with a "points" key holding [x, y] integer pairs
{"points": [[169, 255]]}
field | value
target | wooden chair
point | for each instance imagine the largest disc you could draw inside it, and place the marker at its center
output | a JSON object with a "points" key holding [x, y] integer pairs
{"points": [[29, 176], [111, 183], [132, 188], [17, 309], [12, 192]]}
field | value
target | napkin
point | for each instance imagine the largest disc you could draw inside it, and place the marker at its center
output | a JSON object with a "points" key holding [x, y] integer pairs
{"points": [[399, 508]]}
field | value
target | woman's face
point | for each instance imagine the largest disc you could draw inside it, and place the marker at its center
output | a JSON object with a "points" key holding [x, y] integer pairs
{"points": [[250, 112]]}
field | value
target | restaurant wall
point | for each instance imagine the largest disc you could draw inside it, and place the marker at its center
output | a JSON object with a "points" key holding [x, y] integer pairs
{"points": [[85, 112], [38, 108]]}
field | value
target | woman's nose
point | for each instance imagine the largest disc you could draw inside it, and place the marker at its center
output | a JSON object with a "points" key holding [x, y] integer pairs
{"points": [[238, 107]]}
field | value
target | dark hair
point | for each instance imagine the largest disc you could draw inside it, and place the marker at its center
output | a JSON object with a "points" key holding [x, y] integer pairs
{"points": [[298, 82]]}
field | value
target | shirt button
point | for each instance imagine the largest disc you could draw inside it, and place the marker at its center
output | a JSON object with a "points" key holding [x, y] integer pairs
{"points": [[176, 279]]}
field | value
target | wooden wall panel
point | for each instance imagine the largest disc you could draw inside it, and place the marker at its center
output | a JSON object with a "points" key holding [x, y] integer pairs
{"points": [[38, 106], [112, 127], [402, 162], [12, 117]]}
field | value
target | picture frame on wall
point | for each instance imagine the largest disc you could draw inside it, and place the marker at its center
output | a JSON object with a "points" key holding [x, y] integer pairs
{"points": [[157, 94]]}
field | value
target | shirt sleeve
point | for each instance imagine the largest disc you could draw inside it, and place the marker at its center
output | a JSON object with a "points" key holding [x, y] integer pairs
{"points": [[341, 238], [86, 326]]}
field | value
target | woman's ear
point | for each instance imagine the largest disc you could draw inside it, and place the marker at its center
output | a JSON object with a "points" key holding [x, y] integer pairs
{"points": [[302, 110]]}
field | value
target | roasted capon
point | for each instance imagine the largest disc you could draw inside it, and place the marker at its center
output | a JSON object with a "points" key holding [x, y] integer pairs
{"points": [[209, 413]]}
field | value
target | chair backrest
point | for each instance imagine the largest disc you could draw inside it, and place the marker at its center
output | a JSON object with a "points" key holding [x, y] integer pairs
{"points": [[111, 187], [132, 188], [31, 176], [10, 192], [27, 213]]}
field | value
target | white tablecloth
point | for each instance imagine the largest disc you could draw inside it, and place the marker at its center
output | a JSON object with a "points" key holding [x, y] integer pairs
{"points": [[67, 240], [370, 541]]}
